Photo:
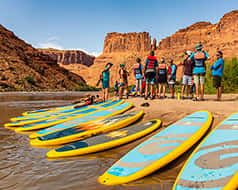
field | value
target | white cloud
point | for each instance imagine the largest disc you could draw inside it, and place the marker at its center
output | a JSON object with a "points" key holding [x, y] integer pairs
{"points": [[53, 42], [50, 45], [94, 53]]}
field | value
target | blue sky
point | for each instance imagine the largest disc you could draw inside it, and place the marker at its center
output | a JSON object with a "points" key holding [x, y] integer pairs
{"points": [[83, 24]]}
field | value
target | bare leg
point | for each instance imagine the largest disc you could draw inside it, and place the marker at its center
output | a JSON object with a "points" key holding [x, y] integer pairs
{"points": [[202, 91], [103, 94], [137, 86], [197, 90], [164, 88], [220, 92], [160, 85], [151, 90], [106, 94], [146, 90], [156, 90], [141, 90], [188, 90], [121, 92], [183, 89]]}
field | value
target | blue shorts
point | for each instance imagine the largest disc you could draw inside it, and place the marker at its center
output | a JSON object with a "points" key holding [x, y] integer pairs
{"points": [[105, 84]]}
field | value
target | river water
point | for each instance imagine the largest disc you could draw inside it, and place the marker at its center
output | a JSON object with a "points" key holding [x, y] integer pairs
{"points": [[26, 168]]}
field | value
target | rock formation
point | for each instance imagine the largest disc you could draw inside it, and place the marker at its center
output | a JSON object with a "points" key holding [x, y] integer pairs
{"points": [[67, 57], [129, 42], [126, 47], [23, 68]]}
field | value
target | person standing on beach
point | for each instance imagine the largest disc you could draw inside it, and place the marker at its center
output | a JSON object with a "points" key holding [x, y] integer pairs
{"points": [[187, 74], [172, 76], [123, 81], [199, 58], [217, 73], [116, 87], [161, 78], [138, 73], [150, 74], [105, 78]]}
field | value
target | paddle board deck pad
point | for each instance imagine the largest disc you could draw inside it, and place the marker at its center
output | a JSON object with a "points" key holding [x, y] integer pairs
{"points": [[158, 150], [51, 109], [71, 112], [48, 109], [214, 163], [105, 141], [64, 118], [66, 110], [102, 114], [84, 131]]}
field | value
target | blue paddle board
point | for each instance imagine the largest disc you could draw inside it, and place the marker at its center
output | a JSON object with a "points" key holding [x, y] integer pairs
{"points": [[214, 163]]}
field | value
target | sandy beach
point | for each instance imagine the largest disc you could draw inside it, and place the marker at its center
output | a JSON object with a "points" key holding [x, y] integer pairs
{"points": [[171, 110]]}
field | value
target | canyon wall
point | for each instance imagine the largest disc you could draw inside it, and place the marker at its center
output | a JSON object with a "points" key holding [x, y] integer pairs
{"points": [[67, 57], [24, 68], [126, 47]]}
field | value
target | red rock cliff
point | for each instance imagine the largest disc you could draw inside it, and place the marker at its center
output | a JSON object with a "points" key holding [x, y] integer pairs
{"points": [[67, 57], [119, 42], [22, 67]]}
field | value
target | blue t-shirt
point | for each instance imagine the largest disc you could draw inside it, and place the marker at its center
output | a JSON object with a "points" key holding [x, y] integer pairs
{"points": [[173, 72], [199, 70], [218, 67], [106, 74]]}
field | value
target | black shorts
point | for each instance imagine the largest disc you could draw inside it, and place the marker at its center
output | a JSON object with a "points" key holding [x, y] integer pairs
{"points": [[150, 77], [216, 81], [162, 79]]}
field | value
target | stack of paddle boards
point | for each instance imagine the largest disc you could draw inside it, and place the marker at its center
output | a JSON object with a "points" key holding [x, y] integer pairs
{"points": [[81, 131], [43, 121], [81, 104], [107, 140], [214, 163], [159, 150]]}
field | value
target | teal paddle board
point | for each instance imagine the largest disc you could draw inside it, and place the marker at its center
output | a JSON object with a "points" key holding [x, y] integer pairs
{"points": [[65, 117], [214, 163], [66, 113], [113, 110], [106, 141], [158, 150]]}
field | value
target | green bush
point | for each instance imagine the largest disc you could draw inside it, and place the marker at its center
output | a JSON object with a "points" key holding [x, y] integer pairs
{"points": [[229, 79], [30, 80], [86, 88]]}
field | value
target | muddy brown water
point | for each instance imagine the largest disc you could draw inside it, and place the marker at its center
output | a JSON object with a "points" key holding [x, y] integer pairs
{"points": [[26, 168]]}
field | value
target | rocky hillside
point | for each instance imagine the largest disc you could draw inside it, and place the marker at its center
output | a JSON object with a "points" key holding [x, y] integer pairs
{"points": [[67, 57], [24, 68], [126, 47], [222, 35]]}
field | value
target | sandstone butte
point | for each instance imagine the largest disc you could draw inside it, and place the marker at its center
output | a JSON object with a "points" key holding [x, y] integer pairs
{"points": [[125, 47], [24, 68]]}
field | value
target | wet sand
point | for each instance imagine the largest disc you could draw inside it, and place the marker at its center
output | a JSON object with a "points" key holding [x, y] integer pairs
{"points": [[25, 167]]}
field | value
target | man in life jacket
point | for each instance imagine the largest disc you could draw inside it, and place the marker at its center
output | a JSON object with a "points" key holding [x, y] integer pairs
{"points": [[123, 81], [151, 65], [138, 73], [188, 65], [161, 78], [199, 58], [172, 70]]}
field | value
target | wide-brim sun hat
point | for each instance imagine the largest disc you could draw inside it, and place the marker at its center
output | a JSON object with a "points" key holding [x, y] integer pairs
{"points": [[199, 46], [122, 64]]}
